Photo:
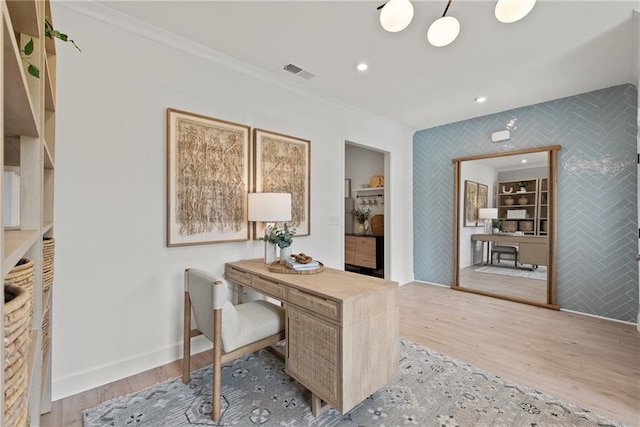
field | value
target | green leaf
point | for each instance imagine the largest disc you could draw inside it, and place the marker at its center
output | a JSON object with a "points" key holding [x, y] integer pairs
{"points": [[28, 48], [34, 71]]}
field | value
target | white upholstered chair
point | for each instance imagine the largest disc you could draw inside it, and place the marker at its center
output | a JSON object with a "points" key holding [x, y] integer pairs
{"points": [[234, 330]]}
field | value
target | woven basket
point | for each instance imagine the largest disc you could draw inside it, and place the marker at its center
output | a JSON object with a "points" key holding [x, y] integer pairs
{"points": [[46, 341], [48, 250], [509, 226], [526, 225], [23, 275], [17, 326]]}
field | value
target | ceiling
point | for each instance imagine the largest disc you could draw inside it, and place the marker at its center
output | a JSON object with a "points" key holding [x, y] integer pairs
{"points": [[561, 48]]}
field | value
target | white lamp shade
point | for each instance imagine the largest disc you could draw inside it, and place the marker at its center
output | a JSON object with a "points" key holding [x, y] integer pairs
{"points": [[488, 213], [443, 31], [269, 207], [396, 15], [509, 11]]}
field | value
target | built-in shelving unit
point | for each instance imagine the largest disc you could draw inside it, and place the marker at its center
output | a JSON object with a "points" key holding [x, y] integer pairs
{"points": [[29, 145], [522, 206]]}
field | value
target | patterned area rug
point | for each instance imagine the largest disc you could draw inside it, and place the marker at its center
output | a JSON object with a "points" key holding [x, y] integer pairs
{"points": [[431, 390], [539, 273]]}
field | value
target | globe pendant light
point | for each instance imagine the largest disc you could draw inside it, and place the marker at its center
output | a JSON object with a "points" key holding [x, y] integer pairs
{"points": [[444, 30], [396, 15], [509, 11]]}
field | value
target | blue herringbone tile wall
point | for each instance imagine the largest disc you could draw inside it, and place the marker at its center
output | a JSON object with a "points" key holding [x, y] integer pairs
{"points": [[597, 194]]}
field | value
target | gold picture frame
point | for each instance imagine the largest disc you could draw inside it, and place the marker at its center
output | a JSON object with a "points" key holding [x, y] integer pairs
{"points": [[208, 173], [282, 164]]}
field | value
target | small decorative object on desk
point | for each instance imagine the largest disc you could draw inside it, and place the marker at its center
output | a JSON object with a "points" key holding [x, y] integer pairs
{"points": [[283, 237], [306, 265], [302, 262]]}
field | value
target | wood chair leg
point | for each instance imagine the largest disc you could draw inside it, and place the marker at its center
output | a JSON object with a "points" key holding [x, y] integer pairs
{"points": [[217, 365], [186, 345]]}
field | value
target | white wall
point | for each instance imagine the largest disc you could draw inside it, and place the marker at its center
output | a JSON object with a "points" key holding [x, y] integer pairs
{"points": [[361, 164], [477, 172], [118, 288]]}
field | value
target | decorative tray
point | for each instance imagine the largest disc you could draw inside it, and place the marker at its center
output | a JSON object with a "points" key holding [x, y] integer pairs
{"points": [[276, 267]]}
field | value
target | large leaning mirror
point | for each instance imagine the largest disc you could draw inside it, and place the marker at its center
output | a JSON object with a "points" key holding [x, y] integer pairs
{"points": [[505, 233]]}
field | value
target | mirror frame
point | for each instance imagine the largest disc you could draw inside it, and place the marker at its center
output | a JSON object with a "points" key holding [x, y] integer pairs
{"points": [[552, 159]]}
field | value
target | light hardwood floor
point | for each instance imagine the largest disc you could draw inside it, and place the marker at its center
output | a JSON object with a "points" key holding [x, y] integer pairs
{"points": [[510, 286], [591, 362]]}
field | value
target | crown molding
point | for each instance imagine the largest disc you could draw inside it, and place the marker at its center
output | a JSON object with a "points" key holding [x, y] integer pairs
{"points": [[149, 31]]}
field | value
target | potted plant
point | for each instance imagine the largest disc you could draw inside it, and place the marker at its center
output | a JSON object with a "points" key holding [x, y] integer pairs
{"points": [[523, 185], [283, 237], [362, 215]]}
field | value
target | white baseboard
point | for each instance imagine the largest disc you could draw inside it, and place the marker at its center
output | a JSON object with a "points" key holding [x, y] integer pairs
{"points": [[598, 317], [83, 381], [431, 283]]}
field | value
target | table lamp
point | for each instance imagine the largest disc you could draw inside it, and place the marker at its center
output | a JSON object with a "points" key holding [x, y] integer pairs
{"points": [[487, 214], [269, 208]]}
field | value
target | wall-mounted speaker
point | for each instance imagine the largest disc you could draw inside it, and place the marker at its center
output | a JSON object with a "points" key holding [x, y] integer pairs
{"points": [[501, 135]]}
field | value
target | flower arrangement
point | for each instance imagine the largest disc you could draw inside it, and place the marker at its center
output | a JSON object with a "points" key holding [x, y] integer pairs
{"points": [[361, 214], [281, 236]]}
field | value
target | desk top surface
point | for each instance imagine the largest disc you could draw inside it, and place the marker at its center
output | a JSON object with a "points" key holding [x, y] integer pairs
{"points": [[509, 238], [336, 284]]}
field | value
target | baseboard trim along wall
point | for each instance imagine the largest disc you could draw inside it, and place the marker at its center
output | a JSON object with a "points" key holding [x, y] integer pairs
{"points": [[83, 381]]}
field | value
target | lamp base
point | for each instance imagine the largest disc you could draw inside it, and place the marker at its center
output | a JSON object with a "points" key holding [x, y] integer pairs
{"points": [[487, 227], [270, 254]]}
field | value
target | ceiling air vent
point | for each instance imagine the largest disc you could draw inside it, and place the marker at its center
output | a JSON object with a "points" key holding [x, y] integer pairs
{"points": [[294, 69]]}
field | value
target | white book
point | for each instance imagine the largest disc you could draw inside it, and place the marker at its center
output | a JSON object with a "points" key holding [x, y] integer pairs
{"points": [[299, 266], [11, 199]]}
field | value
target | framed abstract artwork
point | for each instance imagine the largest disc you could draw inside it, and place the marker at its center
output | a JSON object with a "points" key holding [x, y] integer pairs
{"points": [[470, 203], [282, 164], [483, 201], [207, 179]]}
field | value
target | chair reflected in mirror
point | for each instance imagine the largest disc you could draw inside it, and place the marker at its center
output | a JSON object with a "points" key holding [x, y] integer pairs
{"points": [[500, 249]]}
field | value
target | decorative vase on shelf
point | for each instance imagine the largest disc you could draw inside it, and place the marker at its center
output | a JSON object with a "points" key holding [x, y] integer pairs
{"points": [[508, 201], [270, 252], [523, 200], [285, 254], [361, 228]]}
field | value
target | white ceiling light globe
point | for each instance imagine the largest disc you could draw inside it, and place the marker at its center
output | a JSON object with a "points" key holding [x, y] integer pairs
{"points": [[396, 15], [443, 31], [509, 11]]}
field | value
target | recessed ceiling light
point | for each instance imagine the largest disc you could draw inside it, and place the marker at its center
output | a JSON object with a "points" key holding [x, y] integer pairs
{"points": [[523, 161], [362, 66], [480, 99]]}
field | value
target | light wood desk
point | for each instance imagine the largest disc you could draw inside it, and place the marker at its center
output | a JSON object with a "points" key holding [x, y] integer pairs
{"points": [[532, 250], [341, 330]]}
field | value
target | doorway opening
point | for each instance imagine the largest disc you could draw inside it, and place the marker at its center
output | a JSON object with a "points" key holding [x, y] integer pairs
{"points": [[364, 210]]}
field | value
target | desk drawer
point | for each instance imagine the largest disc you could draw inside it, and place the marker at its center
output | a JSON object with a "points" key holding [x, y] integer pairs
{"points": [[269, 287], [237, 276], [316, 304]]}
